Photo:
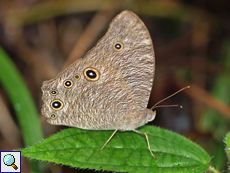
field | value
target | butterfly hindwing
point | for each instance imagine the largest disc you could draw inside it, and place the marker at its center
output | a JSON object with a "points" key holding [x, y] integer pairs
{"points": [[109, 88]]}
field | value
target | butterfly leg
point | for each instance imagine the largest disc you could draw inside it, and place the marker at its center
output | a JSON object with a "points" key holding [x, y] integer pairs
{"points": [[108, 139], [147, 141]]}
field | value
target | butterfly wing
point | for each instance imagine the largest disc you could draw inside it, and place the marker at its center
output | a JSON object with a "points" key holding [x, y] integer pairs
{"points": [[133, 64], [109, 88], [86, 103]]}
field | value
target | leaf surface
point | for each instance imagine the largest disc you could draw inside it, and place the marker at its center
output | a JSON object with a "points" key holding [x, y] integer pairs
{"points": [[227, 142], [126, 152]]}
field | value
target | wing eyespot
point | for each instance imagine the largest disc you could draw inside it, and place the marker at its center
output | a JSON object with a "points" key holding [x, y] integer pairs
{"points": [[118, 46], [54, 92], [68, 83], [53, 116], [91, 74], [56, 104], [77, 76]]}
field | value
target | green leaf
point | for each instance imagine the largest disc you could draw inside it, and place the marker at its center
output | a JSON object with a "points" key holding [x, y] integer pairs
{"points": [[227, 142], [126, 152], [21, 100]]}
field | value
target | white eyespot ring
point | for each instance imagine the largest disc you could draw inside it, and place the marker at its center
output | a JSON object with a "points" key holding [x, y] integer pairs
{"points": [[91, 74]]}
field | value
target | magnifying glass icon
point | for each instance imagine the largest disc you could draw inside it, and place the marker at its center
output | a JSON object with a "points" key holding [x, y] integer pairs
{"points": [[9, 160]]}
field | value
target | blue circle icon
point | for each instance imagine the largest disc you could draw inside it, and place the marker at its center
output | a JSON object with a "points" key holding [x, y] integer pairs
{"points": [[9, 160]]}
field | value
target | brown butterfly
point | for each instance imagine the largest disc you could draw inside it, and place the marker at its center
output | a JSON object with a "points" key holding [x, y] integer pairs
{"points": [[109, 88]]}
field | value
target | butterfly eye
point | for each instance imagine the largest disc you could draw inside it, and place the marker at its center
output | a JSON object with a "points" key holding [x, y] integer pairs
{"points": [[118, 46], [54, 92], [68, 83], [91, 74], [53, 116], [77, 76], [56, 104]]}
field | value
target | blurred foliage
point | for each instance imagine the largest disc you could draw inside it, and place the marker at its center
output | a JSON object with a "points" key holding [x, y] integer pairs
{"points": [[191, 41], [23, 104], [211, 120]]}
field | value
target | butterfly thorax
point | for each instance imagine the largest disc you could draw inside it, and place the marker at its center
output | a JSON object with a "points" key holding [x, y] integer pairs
{"points": [[138, 120]]}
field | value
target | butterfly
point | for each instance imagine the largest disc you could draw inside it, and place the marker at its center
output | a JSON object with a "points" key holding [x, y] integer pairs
{"points": [[109, 88]]}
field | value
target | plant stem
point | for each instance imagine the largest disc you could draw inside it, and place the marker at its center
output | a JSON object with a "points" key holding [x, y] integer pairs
{"points": [[212, 169]]}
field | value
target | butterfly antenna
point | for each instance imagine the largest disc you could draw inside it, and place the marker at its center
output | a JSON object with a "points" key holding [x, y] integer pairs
{"points": [[155, 106], [164, 106]]}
